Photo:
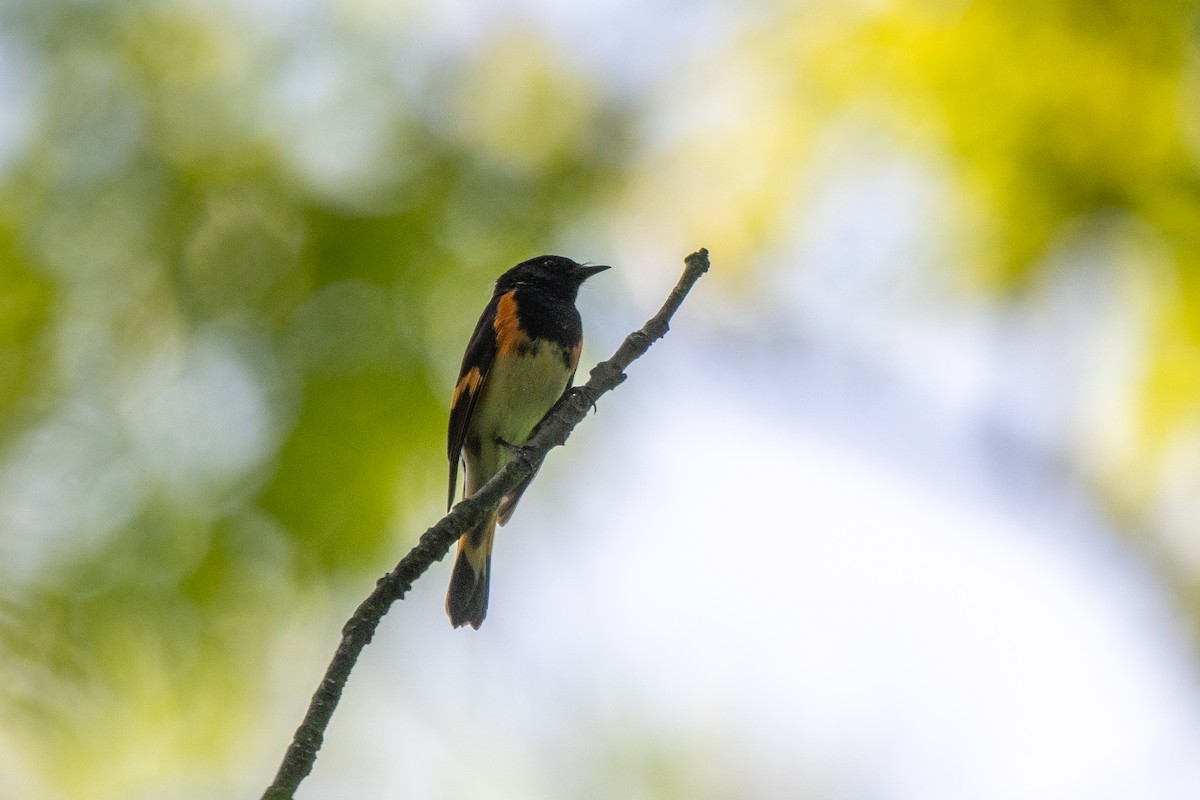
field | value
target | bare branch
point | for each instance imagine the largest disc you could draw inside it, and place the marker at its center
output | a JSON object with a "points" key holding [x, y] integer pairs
{"points": [[435, 542]]}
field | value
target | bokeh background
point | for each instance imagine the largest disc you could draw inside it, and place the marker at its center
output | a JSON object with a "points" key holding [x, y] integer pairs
{"points": [[907, 505]]}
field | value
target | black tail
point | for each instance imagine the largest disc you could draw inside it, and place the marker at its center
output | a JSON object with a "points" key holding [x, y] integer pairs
{"points": [[467, 598]]}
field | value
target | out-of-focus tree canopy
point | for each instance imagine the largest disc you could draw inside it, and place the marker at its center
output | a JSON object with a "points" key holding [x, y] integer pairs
{"points": [[1072, 119], [1064, 131], [238, 253], [236, 265]]}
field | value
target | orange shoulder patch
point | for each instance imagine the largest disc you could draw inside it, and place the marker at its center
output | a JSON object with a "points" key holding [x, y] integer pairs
{"points": [[507, 325]]}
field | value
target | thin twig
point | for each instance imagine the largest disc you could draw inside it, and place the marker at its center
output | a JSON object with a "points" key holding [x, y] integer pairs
{"points": [[435, 542]]}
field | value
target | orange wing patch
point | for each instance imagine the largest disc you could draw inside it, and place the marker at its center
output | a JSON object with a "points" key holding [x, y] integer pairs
{"points": [[507, 325], [468, 383]]}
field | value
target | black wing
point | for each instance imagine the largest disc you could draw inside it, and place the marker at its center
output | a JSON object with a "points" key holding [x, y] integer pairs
{"points": [[477, 361]]}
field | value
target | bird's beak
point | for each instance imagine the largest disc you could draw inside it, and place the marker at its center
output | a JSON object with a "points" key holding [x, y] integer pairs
{"points": [[585, 272]]}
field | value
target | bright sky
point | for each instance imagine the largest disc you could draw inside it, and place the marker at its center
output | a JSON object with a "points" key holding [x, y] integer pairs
{"points": [[827, 620]]}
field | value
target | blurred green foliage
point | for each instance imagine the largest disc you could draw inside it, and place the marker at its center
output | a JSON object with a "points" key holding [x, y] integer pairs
{"points": [[1067, 130], [228, 330], [238, 255], [1066, 123]]}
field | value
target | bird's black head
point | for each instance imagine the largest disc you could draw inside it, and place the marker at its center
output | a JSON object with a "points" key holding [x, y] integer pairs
{"points": [[554, 275]]}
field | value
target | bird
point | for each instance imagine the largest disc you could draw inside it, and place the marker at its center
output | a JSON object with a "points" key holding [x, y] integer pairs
{"points": [[519, 361]]}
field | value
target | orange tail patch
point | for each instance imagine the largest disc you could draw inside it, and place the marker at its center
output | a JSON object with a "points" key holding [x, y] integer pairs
{"points": [[467, 598]]}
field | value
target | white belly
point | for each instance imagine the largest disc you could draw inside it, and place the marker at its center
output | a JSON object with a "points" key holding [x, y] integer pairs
{"points": [[530, 383]]}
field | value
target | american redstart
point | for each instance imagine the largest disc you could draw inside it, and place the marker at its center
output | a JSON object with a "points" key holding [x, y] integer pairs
{"points": [[519, 362]]}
